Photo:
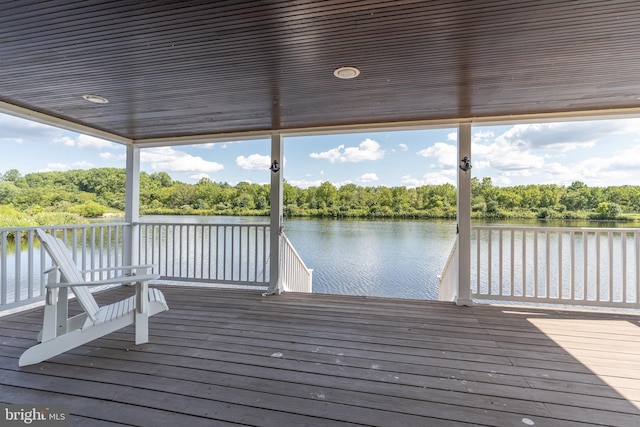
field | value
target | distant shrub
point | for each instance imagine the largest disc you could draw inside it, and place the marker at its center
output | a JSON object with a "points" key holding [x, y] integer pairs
{"points": [[89, 209], [11, 217], [58, 218], [608, 210]]}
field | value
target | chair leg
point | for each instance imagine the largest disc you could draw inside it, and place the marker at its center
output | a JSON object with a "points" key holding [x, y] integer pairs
{"points": [[142, 328]]}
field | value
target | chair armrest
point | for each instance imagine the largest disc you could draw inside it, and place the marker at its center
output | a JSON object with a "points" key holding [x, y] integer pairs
{"points": [[110, 281], [50, 269], [123, 267]]}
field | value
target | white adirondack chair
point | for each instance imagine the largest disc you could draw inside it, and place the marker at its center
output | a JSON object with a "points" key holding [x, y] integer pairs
{"points": [[61, 333]]}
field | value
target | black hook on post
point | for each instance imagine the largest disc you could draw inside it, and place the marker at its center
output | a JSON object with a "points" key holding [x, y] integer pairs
{"points": [[465, 164], [275, 167]]}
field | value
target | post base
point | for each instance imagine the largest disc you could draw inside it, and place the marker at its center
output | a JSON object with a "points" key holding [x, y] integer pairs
{"points": [[464, 302]]}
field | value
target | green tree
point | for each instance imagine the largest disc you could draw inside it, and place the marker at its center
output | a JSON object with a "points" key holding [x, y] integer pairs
{"points": [[327, 194], [162, 178], [608, 210], [12, 175], [8, 192]]}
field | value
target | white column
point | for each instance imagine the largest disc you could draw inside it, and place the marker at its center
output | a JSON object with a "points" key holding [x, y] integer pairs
{"points": [[464, 215], [132, 206], [276, 222]]}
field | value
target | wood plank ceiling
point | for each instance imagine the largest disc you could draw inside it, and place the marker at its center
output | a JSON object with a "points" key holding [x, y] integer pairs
{"points": [[187, 68]]}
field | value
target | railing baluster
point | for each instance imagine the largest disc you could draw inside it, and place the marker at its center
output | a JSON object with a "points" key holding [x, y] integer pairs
{"points": [[572, 270], [478, 264], [636, 257], [187, 250], [524, 262], [255, 253], [30, 264], [173, 251], [202, 251], [547, 262], [3, 269], [18, 267], [560, 265], [623, 242], [248, 254], [598, 259], [535, 264], [611, 284], [489, 262], [512, 249], [585, 265]]}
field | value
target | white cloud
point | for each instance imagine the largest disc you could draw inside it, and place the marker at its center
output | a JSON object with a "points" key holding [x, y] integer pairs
{"points": [[166, 159], [403, 147], [306, 184], [568, 136], [431, 178], [55, 167], [66, 140], [368, 177], [367, 150], [254, 162], [112, 156], [303, 183], [410, 182], [501, 160], [503, 153], [482, 135], [445, 153], [86, 141], [481, 164], [538, 152], [19, 130], [83, 165], [619, 168], [198, 176], [501, 180]]}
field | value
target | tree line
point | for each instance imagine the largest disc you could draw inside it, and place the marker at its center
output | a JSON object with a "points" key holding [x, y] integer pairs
{"points": [[95, 192]]}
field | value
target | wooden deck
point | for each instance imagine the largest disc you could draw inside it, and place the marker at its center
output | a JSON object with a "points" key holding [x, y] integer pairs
{"points": [[233, 357]]}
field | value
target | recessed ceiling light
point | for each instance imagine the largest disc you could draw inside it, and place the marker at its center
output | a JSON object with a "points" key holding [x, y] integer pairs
{"points": [[346, 72], [97, 99]]}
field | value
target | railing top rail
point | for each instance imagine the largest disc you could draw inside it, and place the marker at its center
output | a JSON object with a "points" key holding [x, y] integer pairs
{"points": [[563, 229], [67, 226], [209, 224]]}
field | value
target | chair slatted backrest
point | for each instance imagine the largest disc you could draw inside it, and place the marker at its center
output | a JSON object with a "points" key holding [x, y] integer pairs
{"points": [[69, 272]]}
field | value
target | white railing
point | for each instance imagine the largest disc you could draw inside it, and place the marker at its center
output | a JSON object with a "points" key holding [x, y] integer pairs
{"points": [[22, 261], [296, 277], [448, 279], [236, 254], [212, 253], [561, 265]]}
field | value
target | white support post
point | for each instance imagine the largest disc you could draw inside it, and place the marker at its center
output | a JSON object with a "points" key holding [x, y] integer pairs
{"points": [[276, 222], [132, 206], [464, 215]]}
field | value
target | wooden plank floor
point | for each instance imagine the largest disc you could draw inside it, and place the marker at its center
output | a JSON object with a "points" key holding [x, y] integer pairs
{"points": [[233, 357]]}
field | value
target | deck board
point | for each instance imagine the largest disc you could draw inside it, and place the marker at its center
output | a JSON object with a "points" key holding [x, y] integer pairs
{"points": [[229, 357]]}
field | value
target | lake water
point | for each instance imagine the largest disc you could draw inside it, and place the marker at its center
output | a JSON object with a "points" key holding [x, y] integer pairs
{"points": [[377, 258]]}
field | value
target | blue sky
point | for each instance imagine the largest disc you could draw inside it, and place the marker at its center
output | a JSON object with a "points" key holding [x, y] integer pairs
{"points": [[599, 153]]}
